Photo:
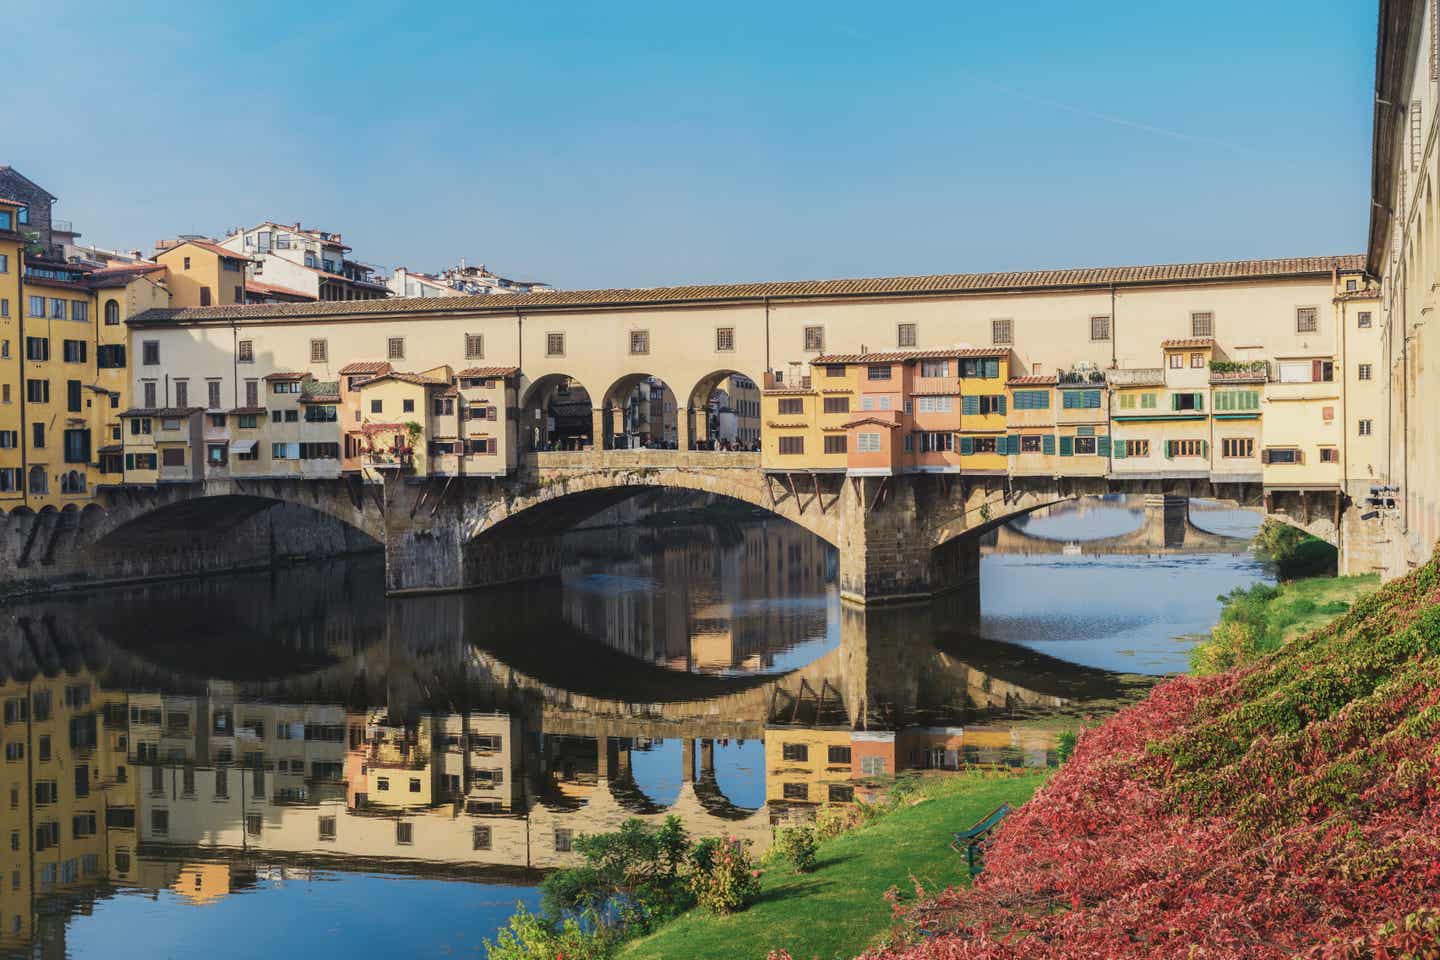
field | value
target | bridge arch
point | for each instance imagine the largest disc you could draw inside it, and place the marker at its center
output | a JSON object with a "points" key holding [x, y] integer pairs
{"points": [[640, 409], [557, 413], [724, 407]]}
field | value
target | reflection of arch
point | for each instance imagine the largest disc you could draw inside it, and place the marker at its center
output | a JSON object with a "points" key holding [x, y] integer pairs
{"points": [[723, 407], [556, 412], [716, 803], [629, 795], [640, 409]]}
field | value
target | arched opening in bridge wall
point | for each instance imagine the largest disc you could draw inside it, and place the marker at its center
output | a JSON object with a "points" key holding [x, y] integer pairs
{"points": [[557, 413], [722, 412], [640, 411]]}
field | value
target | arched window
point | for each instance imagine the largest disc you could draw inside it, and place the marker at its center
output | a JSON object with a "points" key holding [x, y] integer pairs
{"points": [[72, 482], [112, 313], [39, 482]]}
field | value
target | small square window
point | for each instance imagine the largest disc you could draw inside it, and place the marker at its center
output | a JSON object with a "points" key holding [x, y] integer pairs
{"points": [[639, 341], [474, 346], [319, 351], [1202, 324], [1363, 371], [554, 344], [796, 791], [724, 339], [815, 339], [905, 335], [1002, 331], [1364, 319], [480, 838], [327, 828], [1307, 319], [563, 839], [1099, 328], [395, 348], [245, 351], [404, 833]]}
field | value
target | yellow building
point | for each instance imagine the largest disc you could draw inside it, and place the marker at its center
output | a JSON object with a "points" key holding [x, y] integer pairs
{"points": [[202, 274], [982, 441], [1082, 425], [1031, 425], [12, 426], [807, 765]]}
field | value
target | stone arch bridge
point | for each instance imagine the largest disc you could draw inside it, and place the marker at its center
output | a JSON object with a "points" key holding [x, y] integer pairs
{"points": [[898, 538]]}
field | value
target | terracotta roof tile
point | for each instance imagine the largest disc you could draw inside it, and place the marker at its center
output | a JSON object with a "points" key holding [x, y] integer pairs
{"points": [[414, 378], [171, 412], [1035, 381], [488, 372], [1187, 343], [900, 356], [1083, 278], [892, 424], [290, 375], [365, 366], [245, 411]]}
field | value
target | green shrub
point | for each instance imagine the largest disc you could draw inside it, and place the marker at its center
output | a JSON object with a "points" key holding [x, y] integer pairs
{"points": [[797, 845], [529, 937], [632, 878], [731, 880], [1295, 553], [1065, 745], [833, 819]]}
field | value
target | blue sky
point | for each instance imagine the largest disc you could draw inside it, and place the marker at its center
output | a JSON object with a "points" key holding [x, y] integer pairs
{"points": [[658, 143]]}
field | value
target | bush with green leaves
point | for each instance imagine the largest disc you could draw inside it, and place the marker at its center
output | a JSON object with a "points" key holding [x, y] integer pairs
{"points": [[797, 846], [726, 878], [1295, 553], [1065, 744], [633, 878], [531, 937]]}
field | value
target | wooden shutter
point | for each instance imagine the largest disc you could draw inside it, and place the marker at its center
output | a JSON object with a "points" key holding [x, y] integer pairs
{"points": [[1204, 448], [1047, 444], [970, 406], [1102, 445], [1317, 370], [1169, 449], [1174, 401], [1012, 444], [1299, 456], [1067, 446], [1118, 448], [1002, 403], [1264, 456], [1199, 401], [967, 446]]}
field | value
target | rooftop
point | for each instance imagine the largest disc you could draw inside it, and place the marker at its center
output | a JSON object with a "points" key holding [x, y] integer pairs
{"points": [[901, 356], [1033, 280]]}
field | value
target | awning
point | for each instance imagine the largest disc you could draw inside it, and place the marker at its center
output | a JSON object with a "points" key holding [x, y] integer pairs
{"points": [[242, 446]]}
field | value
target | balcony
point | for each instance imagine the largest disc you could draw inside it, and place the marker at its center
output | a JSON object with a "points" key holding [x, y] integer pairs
{"points": [[922, 386], [1229, 371], [1137, 377]]}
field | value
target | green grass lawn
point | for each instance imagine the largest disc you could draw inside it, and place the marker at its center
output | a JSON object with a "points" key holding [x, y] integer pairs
{"points": [[1304, 605], [1261, 619], [839, 909]]}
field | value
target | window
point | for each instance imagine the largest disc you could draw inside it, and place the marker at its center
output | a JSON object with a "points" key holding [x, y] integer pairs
{"points": [[934, 368], [1080, 399], [639, 341], [37, 391], [407, 405], [1030, 443], [377, 406], [1184, 448], [1307, 319], [836, 444], [905, 335], [815, 339], [840, 793], [1187, 401], [80, 310], [563, 838], [1365, 427], [327, 828], [319, 351], [1099, 328], [1364, 319], [1237, 400], [404, 833], [554, 344], [74, 351], [1202, 324], [1177, 361], [37, 348], [937, 404], [868, 442], [212, 391], [792, 446], [1197, 361], [932, 441], [57, 308], [37, 307], [1329, 455], [4, 307], [1083, 445], [480, 838], [1327, 414], [112, 313], [1002, 331], [160, 822], [837, 404], [1282, 455], [791, 405], [204, 296], [1232, 448], [474, 346], [834, 370], [795, 752], [182, 393], [173, 456], [245, 351], [724, 339], [1362, 372], [254, 824], [414, 784], [1032, 399], [796, 791], [395, 348], [150, 352], [878, 371], [1135, 448]]}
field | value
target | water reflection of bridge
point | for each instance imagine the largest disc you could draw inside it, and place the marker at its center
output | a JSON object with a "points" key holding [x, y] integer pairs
{"points": [[305, 719], [1165, 528]]}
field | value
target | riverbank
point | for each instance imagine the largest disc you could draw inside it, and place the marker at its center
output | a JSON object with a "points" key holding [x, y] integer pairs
{"points": [[1260, 619], [840, 909], [1282, 808]]}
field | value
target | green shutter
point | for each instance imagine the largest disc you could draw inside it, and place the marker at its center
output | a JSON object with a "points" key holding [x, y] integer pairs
{"points": [[1067, 446], [1102, 445], [1174, 401], [992, 369], [1002, 403], [1118, 448], [1169, 449], [970, 406], [1205, 448], [967, 446], [1199, 401], [1047, 444], [1012, 444]]}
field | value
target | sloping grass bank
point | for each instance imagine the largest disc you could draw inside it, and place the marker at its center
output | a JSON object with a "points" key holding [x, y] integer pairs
{"points": [[1260, 619], [1286, 807], [839, 910]]}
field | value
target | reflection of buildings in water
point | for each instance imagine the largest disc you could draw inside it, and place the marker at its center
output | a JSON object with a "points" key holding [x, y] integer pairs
{"points": [[705, 598]]}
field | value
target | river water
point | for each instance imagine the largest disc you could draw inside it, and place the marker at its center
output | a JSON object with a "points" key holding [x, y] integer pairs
{"points": [[287, 763]]}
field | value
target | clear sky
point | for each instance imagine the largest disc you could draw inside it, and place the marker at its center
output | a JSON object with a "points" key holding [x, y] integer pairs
{"points": [[641, 144]]}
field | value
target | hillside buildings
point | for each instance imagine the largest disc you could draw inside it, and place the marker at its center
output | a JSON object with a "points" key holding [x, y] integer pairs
{"points": [[459, 281]]}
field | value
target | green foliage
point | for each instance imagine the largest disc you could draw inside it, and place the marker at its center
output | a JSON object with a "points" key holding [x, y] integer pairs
{"points": [[1065, 745], [1295, 553], [833, 819], [1259, 620], [529, 937], [1237, 366], [797, 845], [632, 878], [731, 882]]}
